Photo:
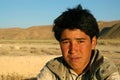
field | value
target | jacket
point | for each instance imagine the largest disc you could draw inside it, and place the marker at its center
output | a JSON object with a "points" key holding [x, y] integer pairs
{"points": [[99, 68]]}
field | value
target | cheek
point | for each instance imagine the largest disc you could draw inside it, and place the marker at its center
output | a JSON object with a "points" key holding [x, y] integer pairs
{"points": [[86, 47], [89, 45], [64, 49], [86, 50]]}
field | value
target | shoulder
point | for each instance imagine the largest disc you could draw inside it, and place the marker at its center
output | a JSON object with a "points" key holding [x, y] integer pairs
{"points": [[58, 67], [107, 68], [108, 65], [103, 66], [47, 72], [55, 62]]}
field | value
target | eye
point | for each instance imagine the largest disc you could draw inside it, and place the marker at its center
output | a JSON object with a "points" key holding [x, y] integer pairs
{"points": [[65, 42], [81, 41]]}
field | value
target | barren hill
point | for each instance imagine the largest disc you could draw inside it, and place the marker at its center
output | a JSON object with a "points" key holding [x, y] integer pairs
{"points": [[108, 30], [111, 32], [34, 32], [103, 24]]}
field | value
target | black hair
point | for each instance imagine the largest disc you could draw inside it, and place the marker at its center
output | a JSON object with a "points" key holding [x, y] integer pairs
{"points": [[76, 18]]}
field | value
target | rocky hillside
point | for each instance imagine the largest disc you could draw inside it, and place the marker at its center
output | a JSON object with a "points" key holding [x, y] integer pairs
{"points": [[108, 30], [104, 24], [112, 32]]}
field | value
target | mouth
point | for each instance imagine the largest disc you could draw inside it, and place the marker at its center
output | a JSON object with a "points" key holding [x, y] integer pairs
{"points": [[74, 59]]}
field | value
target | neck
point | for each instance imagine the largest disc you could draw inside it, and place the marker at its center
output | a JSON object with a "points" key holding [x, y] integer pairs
{"points": [[82, 69]]}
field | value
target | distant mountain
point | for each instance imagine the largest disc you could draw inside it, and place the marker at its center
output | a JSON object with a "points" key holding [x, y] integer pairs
{"points": [[34, 32], [104, 24], [109, 30]]}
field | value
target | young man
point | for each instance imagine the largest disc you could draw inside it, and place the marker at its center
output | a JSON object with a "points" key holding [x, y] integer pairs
{"points": [[77, 32]]}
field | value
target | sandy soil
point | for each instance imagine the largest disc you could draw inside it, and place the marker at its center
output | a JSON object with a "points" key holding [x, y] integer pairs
{"points": [[27, 60], [29, 66]]}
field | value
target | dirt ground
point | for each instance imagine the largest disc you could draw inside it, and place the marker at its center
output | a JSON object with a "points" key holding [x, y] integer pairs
{"points": [[29, 66], [28, 59]]}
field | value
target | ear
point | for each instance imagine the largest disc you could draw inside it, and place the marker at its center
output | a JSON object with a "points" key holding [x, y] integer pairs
{"points": [[94, 42]]}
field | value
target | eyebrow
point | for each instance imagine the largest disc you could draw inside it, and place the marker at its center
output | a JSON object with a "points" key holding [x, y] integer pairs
{"points": [[64, 39], [80, 39], [70, 39]]}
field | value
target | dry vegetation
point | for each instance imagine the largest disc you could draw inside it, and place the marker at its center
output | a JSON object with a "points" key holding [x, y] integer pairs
{"points": [[23, 52], [23, 59]]}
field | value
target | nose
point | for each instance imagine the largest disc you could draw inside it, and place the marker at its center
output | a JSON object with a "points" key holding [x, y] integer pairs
{"points": [[73, 48]]}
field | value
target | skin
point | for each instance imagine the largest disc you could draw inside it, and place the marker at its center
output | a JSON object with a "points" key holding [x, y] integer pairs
{"points": [[76, 49]]}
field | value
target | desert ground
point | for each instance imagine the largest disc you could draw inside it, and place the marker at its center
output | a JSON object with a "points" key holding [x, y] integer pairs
{"points": [[24, 59]]}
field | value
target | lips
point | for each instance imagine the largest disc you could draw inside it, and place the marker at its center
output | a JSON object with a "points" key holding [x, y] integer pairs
{"points": [[75, 58]]}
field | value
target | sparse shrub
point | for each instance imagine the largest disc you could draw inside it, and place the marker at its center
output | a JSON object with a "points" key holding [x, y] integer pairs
{"points": [[23, 48], [3, 52], [33, 50], [118, 66], [12, 76]]}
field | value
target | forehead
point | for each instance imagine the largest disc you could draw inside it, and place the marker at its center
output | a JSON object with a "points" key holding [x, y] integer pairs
{"points": [[75, 33]]}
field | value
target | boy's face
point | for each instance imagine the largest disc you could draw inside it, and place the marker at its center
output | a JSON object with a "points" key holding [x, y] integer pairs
{"points": [[76, 48]]}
